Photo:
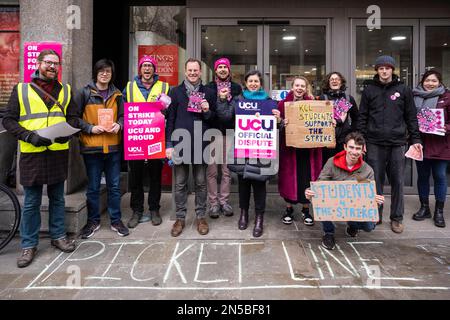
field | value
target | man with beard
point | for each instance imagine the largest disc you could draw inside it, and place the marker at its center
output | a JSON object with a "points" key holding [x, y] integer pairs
{"points": [[218, 199], [146, 87], [32, 106]]}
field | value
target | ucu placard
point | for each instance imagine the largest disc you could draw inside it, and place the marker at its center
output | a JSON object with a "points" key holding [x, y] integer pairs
{"points": [[256, 129]]}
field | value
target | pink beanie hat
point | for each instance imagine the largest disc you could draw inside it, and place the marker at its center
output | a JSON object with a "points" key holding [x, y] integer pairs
{"points": [[145, 59], [224, 61]]}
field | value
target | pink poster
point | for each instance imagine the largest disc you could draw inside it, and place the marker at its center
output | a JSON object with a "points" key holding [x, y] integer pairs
{"points": [[144, 131], [31, 51]]}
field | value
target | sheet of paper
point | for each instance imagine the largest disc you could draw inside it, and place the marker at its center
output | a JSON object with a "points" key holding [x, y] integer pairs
{"points": [[414, 154], [62, 129]]}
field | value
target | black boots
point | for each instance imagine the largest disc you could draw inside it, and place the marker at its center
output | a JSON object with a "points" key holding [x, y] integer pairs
{"points": [[424, 211], [243, 220], [258, 229], [439, 215]]}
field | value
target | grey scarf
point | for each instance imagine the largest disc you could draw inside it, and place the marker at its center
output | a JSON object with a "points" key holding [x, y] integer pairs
{"points": [[191, 87], [427, 99]]}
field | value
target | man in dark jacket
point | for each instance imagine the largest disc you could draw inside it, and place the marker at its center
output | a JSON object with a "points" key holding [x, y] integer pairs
{"points": [[42, 103], [189, 115], [218, 200], [388, 120]]}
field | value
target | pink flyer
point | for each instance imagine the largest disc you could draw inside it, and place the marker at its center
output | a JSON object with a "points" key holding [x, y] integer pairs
{"points": [[31, 51], [144, 131]]}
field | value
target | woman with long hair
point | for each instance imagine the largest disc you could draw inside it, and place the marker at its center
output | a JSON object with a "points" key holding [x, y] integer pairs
{"points": [[298, 166]]}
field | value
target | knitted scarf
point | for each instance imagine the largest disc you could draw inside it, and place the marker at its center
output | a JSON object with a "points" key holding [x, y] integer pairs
{"points": [[192, 87], [255, 95], [427, 99], [224, 83]]}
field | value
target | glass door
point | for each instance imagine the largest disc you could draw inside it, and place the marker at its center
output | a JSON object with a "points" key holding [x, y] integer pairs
{"points": [[297, 49]]}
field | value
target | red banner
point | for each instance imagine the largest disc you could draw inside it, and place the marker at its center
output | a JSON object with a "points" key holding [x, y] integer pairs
{"points": [[9, 52], [167, 59]]}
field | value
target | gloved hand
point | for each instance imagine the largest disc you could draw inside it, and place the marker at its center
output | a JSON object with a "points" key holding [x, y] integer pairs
{"points": [[62, 139], [38, 141]]}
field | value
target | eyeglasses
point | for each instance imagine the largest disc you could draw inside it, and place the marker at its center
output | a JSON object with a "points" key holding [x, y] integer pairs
{"points": [[51, 63], [105, 72]]}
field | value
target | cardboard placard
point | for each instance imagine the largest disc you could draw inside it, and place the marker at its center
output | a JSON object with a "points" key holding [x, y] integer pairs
{"points": [[344, 201], [309, 124], [144, 131], [105, 118]]}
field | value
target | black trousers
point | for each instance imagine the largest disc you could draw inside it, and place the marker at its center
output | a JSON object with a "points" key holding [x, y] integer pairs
{"points": [[259, 194], [389, 160], [138, 170]]}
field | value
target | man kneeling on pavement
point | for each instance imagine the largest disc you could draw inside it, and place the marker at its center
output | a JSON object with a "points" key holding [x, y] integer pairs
{"points": [[346, 165]]}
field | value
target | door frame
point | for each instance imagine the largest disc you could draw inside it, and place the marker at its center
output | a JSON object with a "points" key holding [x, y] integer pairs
{"points": [[422, 38]]}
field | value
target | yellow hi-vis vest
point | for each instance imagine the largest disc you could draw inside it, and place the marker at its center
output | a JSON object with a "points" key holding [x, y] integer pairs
{"points": [[134, 94], [35, 115]]}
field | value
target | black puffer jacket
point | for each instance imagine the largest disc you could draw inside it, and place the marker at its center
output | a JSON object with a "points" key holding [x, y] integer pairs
{"points": [[387, 115]]}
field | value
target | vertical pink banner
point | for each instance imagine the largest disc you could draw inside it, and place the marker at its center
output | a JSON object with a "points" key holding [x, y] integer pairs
{"points": [[31, 51], [144, 131]]}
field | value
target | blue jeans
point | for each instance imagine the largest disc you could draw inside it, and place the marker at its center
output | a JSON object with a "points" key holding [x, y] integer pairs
{"points": [[328, 226], [439, 169], [97, 163], [31, 214]]}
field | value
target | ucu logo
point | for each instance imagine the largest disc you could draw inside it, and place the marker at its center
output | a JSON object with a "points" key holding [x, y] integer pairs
{"points": [[256, 124], [134, 149], [248, 105]]}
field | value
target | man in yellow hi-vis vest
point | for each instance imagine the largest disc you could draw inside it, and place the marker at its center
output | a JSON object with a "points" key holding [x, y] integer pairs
{"points": [[146, 87], [33, 106]]}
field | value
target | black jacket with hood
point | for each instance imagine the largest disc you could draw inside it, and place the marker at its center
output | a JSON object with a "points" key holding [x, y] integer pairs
{"points": [[387, 115]]}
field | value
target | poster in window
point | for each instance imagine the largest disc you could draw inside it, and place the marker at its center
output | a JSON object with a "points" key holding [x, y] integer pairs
{"points": [[9, 52], [166, 57]]}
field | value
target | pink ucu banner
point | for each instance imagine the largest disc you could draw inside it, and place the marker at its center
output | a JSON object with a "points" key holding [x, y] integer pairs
{"points": [[256, 129]]}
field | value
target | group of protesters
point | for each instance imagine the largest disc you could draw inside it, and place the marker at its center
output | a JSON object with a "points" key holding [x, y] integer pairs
{"points": [[379, 131]]}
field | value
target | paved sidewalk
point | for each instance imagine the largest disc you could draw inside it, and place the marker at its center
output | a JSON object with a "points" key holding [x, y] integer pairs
{"points": [[287, 262]]}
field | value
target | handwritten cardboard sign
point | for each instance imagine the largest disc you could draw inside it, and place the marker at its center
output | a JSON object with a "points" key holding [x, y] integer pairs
{"points": [[309, 124], [256, 129], [144, 131], [344, 201]]}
